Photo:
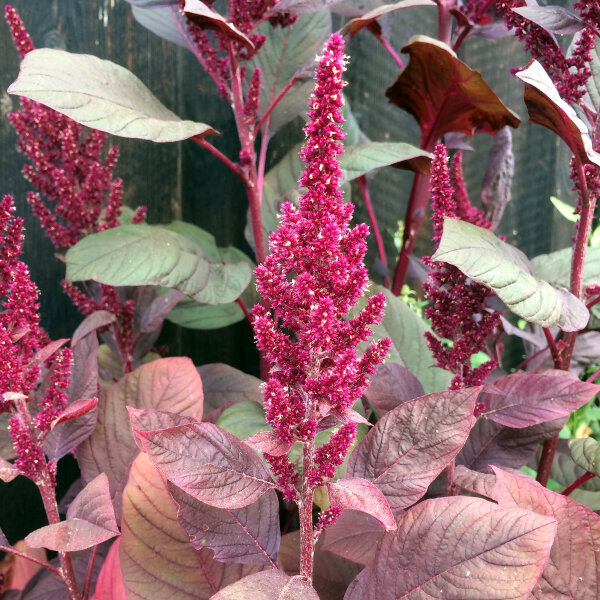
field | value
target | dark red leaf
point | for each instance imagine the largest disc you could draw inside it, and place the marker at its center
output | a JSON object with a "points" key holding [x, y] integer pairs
{"points": [[248, 535], [445, 95], [76, 409], [267, 442], [359, 23], [152, 318], [208, 463], [46, 352], [360, 494], [110, 584], [458, 549], [391, 386], [95, 320], [573, 570], [523, 399], [411, 445], [548, 109]]}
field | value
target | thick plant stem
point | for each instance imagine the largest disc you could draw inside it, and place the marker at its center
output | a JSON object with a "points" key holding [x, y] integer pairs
{"points": [[445, 20], [578, 482], [307, 538], [417, 206], [562, 360]]}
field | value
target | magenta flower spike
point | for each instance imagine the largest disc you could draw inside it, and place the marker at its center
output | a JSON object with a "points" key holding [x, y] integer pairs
{"points": [[311, 279]]}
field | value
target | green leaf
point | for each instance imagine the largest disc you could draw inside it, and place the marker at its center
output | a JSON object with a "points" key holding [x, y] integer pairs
{"points": [[243, 419], [566, 210], [556, 267], [100, 94], [205, 316], [409, 347], [359, 160], [586, 453], [286, 54], [481, 256], [151, 255], [199, 236]]}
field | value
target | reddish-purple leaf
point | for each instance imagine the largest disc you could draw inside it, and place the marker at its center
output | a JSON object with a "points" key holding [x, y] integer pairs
{"points": [[353, 536], [17, 570], [84, 370], [94, 321], [90, 521], [268, 585], [573, 570], [267, 442], [169, 384], [8, 471], [248, 535], [46, 352], [208, 463], [197, 12], [360, 494], [490, 443], [482, 484], [110, 584], [524, 399], [391, 386], [409, 446], [154, 420], [223, 386], [458, 549], [359, 23], [332, 574], [547, 108], [76, 409], [157, 559], [445, 95], [555, 19], [155, 314]]}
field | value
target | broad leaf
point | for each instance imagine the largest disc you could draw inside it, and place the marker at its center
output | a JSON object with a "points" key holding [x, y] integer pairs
{"points": [[100, 94], [248, 535], [411, 445], [166, 22], [171, 384], [267, 442], [481, 256], [459, 549], [490, 443], [586, 453], [147, 255], [110, 584], [359, 23], [243, 419], [46, 352], [192, 315], [524, 399], [90, 521], [573, 570], [154, 315], [224, 385], [547, 108], [76, 409], [409, 347], [365, 158], [556, 266], [96, 320], [8, 472], [360, 494], [445, 95], [177, 571], [208, 463], [207, 18], [268, 585], [555, 19], [391, 386], [353, 536]]}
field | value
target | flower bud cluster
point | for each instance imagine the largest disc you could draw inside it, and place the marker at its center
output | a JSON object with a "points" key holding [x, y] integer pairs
{"points": [[459, 311]]}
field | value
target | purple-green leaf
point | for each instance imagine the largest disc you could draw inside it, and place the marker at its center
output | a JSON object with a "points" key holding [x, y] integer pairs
{"points": [[268, 585], [391, 386], [573, 571], [248, 535], [360, 494], [208, 463], [100, 94], [458, 549], [524, 399], [555, 19], [410, 445], [157, 559]]}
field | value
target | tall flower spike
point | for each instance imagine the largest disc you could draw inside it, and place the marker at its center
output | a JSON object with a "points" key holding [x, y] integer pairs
{"points": [[311, 279]]}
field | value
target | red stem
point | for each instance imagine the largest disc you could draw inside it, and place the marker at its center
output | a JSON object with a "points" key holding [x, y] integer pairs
{"points": [[553, 349], [594, 376], [527, 360], [563, 361], [579, 481], [274, 103], [364, 189], [593, 302], [88, 575], [233, 166], [245, 310], [445, 20], [387, 46], [16, 552], [307, 539]]}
